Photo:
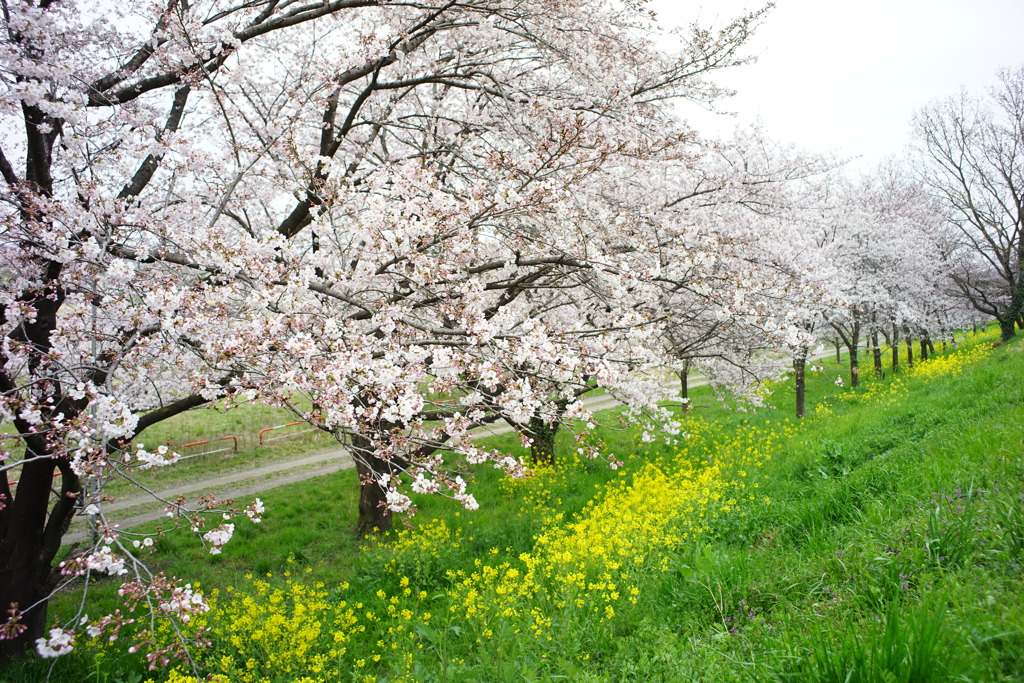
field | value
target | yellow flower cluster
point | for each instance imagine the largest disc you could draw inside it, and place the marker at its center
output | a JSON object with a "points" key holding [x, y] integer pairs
{"points": [[178, 675], [418, 551], [951, 364], [298, 631], [878, 393], [881, 393], [538, 491], [275, 629], [578, 573]]}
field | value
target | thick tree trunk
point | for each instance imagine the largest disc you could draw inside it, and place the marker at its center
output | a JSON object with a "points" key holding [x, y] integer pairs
{"points": [[542, 450], [799, 379], [924, 349], [1006, 325], [838, 349], [374, 515], [19, 588], [32, 522], [29, 543]]}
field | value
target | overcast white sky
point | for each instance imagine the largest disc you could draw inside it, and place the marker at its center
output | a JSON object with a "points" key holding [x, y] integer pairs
{"points": [[848, 76]]}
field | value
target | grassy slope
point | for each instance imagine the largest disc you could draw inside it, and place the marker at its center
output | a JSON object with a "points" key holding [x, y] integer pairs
{"points": [[892, 547], [891, 550]]}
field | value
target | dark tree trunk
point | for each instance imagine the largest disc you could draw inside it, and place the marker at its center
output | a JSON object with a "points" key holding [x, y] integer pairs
{"points": [[931, 345], [854, 349], [542, 450], [1006, 325], [799, 379], [851, 337], [20, 587], [31, 526], [895, 347], [684, 386], [854, 367], [374, 515], [30, 543], [1015, 312], [876, 352], [838, 349], [924, 349]]}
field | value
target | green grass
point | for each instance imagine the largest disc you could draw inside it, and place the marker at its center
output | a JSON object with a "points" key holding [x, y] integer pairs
{"points": [[211, 423], [891, 550]]}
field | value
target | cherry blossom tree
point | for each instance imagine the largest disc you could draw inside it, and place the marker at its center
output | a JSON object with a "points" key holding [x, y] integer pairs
{"points": [[380, 206], [703, 247], [915, 242], [748, 203], [884, 240]]}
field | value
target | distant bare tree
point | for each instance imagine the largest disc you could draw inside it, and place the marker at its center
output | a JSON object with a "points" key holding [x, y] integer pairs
{"points": [[973, 149]]}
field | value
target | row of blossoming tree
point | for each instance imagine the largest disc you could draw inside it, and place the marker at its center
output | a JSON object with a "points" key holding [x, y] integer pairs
{"points": [[401, 220]]}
